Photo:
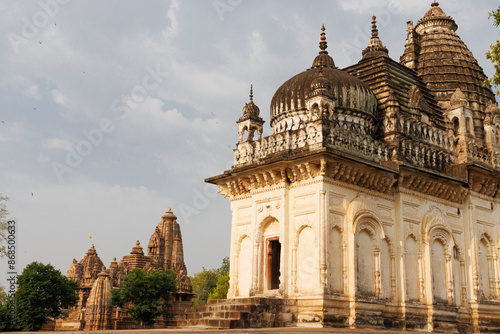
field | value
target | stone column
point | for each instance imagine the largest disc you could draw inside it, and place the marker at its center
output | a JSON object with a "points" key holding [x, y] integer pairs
{"points": [[323, 242], [345, 262], [421, 285], [293, 282], [449, 278], [378, 283], [255, 266]]}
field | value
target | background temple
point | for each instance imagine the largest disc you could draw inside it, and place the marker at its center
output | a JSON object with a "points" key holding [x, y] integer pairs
{"points": [[374, 202], [94, 311]]}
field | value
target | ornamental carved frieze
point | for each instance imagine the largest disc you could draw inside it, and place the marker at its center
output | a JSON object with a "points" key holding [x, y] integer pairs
{"points": [[355, 175], [484, 185], [303, 171], [434, 187], [243, 185]]}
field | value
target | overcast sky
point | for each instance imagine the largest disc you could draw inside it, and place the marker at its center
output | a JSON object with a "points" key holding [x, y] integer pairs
{"points": [[113, 111]]}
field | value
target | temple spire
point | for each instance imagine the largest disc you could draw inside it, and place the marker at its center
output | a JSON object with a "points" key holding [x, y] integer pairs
{"points": [[322, 43], [323, 59], [375, 46], [374, 27], [251, 92]]}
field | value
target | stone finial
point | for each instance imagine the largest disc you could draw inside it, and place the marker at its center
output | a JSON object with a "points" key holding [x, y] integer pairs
{"points": [[251, 109], [323, 59], [322, 44], [169, 215], [375, 46], [374, 26], [91, 250], [113, 264], [137, 249]]}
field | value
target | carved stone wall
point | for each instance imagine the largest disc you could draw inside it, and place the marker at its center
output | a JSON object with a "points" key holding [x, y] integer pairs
{"points": [[375, 215]]}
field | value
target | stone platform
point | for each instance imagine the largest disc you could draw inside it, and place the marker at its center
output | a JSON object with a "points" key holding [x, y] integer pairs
{"points": [[202, 330]]}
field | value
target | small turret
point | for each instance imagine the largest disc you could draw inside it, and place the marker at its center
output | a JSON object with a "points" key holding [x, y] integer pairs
{"points": [[250, 122]]}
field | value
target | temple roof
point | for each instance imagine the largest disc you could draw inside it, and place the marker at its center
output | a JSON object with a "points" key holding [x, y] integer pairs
{"points": [[442, 59], [291, 97]]}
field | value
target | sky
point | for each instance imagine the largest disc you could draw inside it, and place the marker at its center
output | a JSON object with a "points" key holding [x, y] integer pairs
{"points": [[111, 112]]}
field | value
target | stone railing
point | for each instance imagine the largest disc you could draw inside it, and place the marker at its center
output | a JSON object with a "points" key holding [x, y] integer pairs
{"points": [[358, 145], [425, 133], [479, 154], [313, 136], [423, 155], [254, 151], [483, 155]]}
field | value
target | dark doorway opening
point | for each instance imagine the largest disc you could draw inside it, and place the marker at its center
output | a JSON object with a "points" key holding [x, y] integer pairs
{"points": [[273, 263]]}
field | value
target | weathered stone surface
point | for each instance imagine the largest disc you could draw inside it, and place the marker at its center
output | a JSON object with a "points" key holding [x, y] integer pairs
{"points": [[94, 311], [375, 201], [99, 308]]}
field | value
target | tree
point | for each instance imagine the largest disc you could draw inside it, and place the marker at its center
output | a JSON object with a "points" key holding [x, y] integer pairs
{"points": [[494, 54], [3, 225], [42, 293], [3, 294], [222, 287], [205, 282], [7, 312], [146, 292], [224, 268]]}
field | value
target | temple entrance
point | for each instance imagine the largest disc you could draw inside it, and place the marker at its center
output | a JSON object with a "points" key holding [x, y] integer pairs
{"points": [[273, 263]]}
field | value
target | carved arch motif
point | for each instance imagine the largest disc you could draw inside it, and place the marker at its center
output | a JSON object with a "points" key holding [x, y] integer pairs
{"points": [[299, 230], [240, 239], [359, 209], [433, 219]]}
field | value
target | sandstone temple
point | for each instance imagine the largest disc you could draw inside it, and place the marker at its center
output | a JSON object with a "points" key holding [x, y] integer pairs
{"points": [[375, 200], [94, 310]]}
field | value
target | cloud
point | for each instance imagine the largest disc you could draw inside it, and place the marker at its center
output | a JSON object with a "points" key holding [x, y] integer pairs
{"points": [[59, 98], [57, 144], [32, 91], [43, 158], [173, 30], [14, 132], [109, 212], [377, 6]]}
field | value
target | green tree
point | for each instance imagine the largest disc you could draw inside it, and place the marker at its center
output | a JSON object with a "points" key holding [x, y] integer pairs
{"points": [[205, 282], [7, 323], [224, 268], [144, 293], [222, 287], [494, 53], [42, 292], [3, 225], [3, 294]]}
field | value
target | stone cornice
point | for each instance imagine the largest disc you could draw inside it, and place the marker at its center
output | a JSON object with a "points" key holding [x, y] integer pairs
{"points": [[431, 186], [427, 197]]}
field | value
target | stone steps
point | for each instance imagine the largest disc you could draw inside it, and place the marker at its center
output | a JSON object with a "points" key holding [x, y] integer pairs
{"points": [[236, 313]]}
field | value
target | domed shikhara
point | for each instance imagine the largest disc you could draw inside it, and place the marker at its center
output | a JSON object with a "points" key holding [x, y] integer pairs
{"points": [[351, 99], [442, 59]]}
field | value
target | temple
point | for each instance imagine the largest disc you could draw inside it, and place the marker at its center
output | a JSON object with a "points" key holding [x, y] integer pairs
{"points": [[375, 201], [94, 310]]}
